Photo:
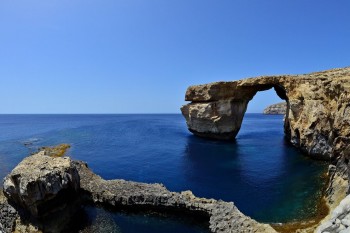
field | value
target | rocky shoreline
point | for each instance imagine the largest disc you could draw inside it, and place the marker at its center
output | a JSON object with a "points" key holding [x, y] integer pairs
{"points": [[41, 183], [43, 179]]}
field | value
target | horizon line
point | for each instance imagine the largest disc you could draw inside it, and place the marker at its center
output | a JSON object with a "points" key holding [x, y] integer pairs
{"points": [[97, 113]]}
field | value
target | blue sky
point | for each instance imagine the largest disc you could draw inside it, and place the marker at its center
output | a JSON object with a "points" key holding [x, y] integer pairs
{"points": [[139, 56]]}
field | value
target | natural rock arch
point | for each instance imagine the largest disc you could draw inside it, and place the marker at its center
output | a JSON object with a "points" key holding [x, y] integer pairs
{"points": [[318, 110], [217, 112]]}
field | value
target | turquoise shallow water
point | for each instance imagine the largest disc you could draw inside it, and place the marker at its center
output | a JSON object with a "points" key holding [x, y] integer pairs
{"points": [[263, 175]]}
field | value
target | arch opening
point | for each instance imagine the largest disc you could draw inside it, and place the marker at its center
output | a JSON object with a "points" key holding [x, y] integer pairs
{"points": [[217, 110]]}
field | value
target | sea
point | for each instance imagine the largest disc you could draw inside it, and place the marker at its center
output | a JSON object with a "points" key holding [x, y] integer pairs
{"points": [[266, 178]]}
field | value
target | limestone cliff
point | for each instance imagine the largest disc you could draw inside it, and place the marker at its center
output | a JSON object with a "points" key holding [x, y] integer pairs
{"points": [[317, 114], [276, 109]]}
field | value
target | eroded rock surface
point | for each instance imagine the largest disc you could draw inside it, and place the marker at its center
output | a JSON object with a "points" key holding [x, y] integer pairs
{"points": [[276, 109], [223, 216], [8, 215], [41, 184], [317, 114], [340, 219]]}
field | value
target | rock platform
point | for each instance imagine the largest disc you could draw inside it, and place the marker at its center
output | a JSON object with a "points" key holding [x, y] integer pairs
{"points": [[42, 181]]}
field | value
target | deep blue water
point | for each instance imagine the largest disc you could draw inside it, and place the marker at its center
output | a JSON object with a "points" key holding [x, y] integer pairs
{"points": [[263, 175]]}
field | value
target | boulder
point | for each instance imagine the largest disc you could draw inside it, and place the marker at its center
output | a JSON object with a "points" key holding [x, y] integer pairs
{"points": [[41, 184]]}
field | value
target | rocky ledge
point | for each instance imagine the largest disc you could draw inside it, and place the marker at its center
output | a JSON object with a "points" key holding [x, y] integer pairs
{"points": [[42, 188], [276, 109], [39, 183], [317, 113]]}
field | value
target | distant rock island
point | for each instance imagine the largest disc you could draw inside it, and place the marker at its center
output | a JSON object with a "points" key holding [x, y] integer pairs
{"points": [[276, 109]]}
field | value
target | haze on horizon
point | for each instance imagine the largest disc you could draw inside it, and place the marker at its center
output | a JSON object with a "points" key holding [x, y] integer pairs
{"points": [[136, 56]]}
